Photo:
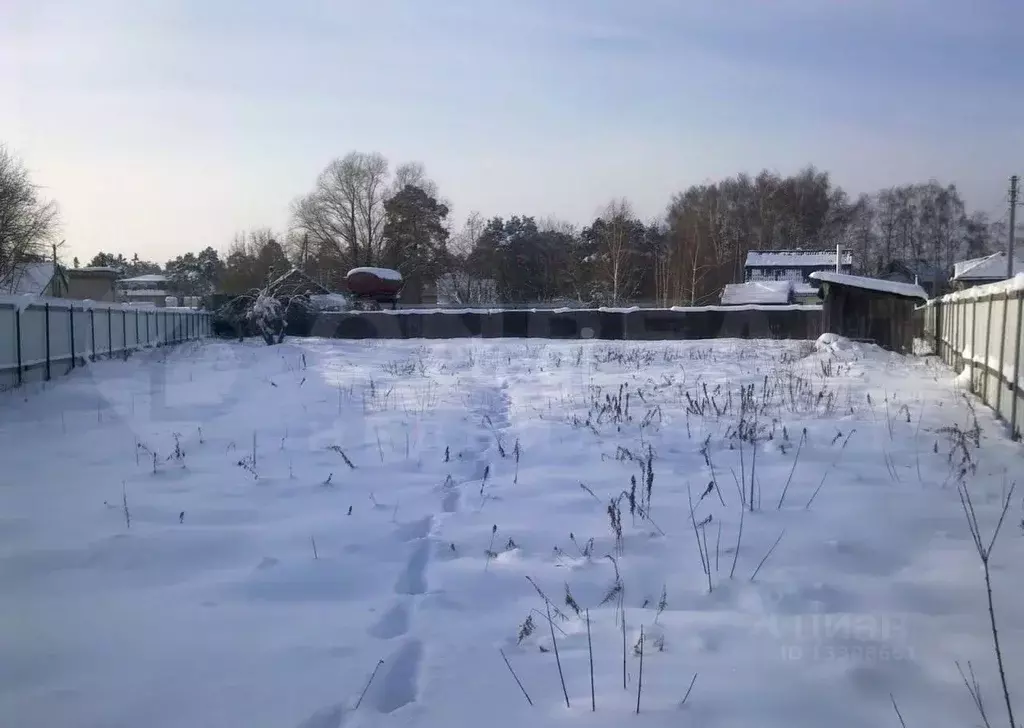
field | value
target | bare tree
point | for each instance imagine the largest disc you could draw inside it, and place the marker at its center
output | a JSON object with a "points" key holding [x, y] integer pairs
{"points": [[27, 222], [415, 174], [462, 242], [344, 214], [614, 234]]}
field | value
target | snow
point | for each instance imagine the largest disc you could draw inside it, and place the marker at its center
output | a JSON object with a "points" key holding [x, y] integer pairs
{"points": [[96, 269], [907, 290], [330, 301], [468, 466], [267, 314], [757, 292], [1010, 285], [833, 343], [144, 292], [990, 267], [147, 278], [383, 273], [796, 258]]}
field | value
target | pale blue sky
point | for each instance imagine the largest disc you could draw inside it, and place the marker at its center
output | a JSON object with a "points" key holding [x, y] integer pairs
{"points": [[162, 126]]}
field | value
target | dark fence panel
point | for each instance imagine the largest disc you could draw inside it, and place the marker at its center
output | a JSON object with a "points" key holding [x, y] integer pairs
{"points": [[783, 322]]}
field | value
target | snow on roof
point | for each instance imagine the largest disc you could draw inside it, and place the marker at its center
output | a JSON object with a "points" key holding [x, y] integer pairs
{"points": [[803, 289], [757, 292], [797, 258], [146, 292], [28, 279], [907, 290], [990, 267], [386, 274], [148, 278], [95, 269]]}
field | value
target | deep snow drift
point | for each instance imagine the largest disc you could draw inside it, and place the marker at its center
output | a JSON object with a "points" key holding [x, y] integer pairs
{"points": [[230, 534]]}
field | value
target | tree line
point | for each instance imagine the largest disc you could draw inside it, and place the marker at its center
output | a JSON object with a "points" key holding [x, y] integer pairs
{"points": [[362, 212]]}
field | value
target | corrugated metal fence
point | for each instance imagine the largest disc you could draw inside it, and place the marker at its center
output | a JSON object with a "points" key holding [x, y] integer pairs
{"points": [[981, 329], [43, 338]]}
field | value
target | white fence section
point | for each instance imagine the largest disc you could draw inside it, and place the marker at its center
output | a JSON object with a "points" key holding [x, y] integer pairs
{"points": [[981, 330], [43, 338]]}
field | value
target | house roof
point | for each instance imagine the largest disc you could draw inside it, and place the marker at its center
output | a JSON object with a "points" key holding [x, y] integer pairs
{"points": [[894, 288], [988, 268], [797, 258], [95, 271], [757, 292], [923, 269], [297, 278], [28, 279]]}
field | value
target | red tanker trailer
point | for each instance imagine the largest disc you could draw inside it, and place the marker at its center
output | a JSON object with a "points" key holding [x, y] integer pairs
{"points": [[371, 287]]}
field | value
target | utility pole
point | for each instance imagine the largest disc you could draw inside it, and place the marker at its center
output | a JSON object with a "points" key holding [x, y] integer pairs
{"points": [[1013, 222]]}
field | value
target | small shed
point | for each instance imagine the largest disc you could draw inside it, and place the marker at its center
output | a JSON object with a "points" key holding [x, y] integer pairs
{"points": [[870, 309]]}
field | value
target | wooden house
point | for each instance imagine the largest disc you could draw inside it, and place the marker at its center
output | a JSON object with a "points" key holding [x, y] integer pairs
{"points": [[795, 265]]}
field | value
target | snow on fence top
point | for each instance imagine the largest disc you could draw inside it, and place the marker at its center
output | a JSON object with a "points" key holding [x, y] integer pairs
{"points": [[763, 292], [907, 290], [796, 258], [1010, 285], [25, 300], [386, 274]]}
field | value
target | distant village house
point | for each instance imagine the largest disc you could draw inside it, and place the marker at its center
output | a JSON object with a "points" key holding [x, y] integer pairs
{"points": [[981, 271]]}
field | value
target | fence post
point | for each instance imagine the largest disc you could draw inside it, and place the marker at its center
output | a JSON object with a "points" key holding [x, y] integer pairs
{"points": [[110, 333], [974, 335], [1014, 432], [124, 332], [46, 309], [136, 329], [953, 335], [988, 344], [71, 323], [963, 324], [1002, 353], [92, 326], [17, 333]]}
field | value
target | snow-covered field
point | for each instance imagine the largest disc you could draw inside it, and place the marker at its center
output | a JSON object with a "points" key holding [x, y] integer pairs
{"points": [[228, 534]]}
